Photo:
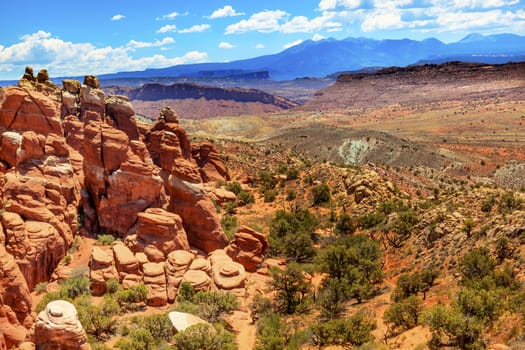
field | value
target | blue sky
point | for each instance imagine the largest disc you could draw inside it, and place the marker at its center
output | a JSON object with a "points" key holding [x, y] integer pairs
{"points": [[95, 37]]}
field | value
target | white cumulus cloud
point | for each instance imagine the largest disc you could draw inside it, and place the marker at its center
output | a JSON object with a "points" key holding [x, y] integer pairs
{"points": [[65, 58], [260, 46], [141, 44], [333, 4], [264, 22], [294, 43], [225, 45], [226, 11], [168, 16], [168, 28], [318, 37], [195, 29], [117, 17]]}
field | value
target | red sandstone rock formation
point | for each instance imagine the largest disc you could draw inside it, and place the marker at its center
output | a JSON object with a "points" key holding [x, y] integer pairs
{"points": [[248, 248], [58, 327], [211, 167], [117, 179]]}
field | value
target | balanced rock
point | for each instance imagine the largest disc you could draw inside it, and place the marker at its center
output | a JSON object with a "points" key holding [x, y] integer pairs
{"points": [[58, 327], [248, 248], [120, 110]]}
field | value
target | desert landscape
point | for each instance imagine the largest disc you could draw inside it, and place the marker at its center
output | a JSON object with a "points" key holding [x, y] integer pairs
{"points": [[256, 224], [250, 177]]}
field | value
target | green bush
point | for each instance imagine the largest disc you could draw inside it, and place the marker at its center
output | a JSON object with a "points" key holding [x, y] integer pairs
{"points": [[290, 195], [269, 196], [321, 194], [105, 239], [477, 268], [129, 298], [488, 204], [204, 337], [291, 289], [403, 315], [345, 224], [210, 306], [293, 235], [229, 225], [234, 187], [41, 287], [352, 331], [244, 198], [113, 286], [273, 332]]}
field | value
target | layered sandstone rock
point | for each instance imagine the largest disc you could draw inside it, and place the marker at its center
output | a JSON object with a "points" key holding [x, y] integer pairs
{"points": [[15, 303], [227, 274], [70, 98], [102, 268], [39, 184], [198, 213], [176, 266], [25, 109], [155, 281], [248, 248], [127, 265], [211, 167], [160, 232], [121, 113], [117, 180], [58, 327]]}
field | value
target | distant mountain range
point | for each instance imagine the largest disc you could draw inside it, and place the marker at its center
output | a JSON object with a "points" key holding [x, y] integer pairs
{"points": [[324, 57]]}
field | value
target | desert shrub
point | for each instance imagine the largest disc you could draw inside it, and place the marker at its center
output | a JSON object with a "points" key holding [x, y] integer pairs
{"points": [[332, 297], [41, 287], [345, 224], [477, 267], [403, 315], [371, 220], [321, 194], [98, 320], [292, 173], [293, 235], [269, 196], [354, 261], [210, 306], [185, 292], [290, 195], [468, 225], [273, 332], [266, 180], [449, 327], [105, 239], [229, 225], [488, 204], [113, 286], [291, 289], [352, 331], [203, 336], [508, 203], [244, 198], [129, 298], [234, 187], [412, 284]]}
